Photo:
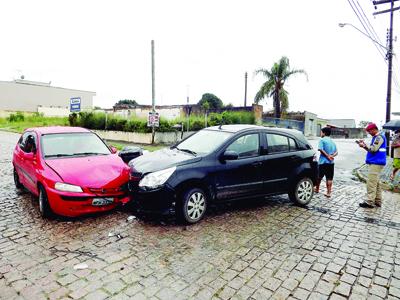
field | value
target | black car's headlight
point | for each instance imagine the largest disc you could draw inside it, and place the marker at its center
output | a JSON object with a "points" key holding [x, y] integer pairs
{"points": [[156, 179]]}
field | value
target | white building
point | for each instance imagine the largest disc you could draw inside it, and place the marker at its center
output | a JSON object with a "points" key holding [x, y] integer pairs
{"points": [[31, 96]]}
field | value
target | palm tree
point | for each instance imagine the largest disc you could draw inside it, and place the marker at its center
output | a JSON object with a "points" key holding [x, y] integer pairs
{"points": [[274, 86]]}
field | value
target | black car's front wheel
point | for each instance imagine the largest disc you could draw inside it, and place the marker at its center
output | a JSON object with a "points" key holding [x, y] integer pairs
{"points": [[194, 205], [302, 192]]}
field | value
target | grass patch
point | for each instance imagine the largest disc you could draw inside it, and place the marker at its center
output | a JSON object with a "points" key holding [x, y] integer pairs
{"points": [[19, 122]]}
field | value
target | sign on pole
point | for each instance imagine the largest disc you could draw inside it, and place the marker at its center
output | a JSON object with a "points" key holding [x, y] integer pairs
{"points": [[153, 119], [75, 104]]}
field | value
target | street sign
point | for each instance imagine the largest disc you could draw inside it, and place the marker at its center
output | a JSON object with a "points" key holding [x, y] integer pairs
{"points": [[153, 119], [75, 104]]}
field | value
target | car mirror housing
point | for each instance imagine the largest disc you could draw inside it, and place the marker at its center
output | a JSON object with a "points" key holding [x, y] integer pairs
{"points": [[113, 149], [230, 155]]}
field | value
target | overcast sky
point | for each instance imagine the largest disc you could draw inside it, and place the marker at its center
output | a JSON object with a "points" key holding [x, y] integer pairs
{"points": [[202, 47]]}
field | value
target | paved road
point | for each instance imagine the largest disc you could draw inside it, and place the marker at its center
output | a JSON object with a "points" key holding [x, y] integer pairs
{"points": [[350, 157], [254, 250]]}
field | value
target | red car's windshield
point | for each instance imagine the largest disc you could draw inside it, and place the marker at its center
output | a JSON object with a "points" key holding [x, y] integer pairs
{"points": [[72, 144]]}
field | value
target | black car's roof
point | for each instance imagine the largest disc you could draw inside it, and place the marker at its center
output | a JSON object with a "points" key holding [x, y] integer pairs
{"points": [[244, 127], [241, 127]]}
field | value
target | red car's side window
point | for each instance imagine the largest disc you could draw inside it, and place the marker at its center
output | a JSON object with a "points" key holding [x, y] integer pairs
{"points": [[27, 142]]}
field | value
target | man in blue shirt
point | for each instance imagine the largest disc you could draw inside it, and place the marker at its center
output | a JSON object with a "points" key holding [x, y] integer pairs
{"points": [[326, 166]]}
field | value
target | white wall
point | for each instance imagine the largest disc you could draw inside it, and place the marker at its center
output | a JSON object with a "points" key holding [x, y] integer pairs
{"points": [[142, 138], [53, 111], [17, 96], [169, 113]]}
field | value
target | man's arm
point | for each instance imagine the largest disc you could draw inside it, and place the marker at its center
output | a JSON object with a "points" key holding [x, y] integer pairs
{"points": [[375, 146]]}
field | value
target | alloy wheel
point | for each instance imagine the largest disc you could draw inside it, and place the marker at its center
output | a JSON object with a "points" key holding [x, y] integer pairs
{"points": [[196, 206], [305, 191]]}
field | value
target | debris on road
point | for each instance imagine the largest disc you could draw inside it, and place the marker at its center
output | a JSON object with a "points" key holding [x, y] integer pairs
{"points": [[81, 266]]}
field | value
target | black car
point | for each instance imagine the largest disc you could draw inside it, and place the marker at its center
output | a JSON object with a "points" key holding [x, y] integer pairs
{"points": [[223, 163]]}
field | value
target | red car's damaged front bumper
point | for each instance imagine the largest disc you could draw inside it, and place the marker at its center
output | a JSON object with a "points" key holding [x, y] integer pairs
{"points": [[76, 204]]}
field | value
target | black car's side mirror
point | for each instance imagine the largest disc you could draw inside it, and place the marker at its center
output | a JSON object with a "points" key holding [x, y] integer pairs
{"points": [[230, 155]]}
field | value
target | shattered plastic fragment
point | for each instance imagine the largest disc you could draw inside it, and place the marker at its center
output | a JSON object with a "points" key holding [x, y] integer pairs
{"points": [[131, 218], [81, 266]]}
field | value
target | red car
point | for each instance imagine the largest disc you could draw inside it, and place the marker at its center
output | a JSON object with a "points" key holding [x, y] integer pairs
{"points": [[71, 170]]}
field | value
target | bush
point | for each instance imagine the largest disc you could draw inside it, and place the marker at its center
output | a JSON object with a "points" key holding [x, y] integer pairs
{"points": [[93, 120], [17, 117]]}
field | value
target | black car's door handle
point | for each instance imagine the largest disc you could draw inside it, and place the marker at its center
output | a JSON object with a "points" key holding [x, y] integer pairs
{"points": [[256, 164]]}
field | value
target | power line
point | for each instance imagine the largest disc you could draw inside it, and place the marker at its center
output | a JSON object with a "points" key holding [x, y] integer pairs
{"points": [[370, 31]]}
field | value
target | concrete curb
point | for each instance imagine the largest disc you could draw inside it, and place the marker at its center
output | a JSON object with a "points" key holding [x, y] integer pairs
{"points": [[385, 185]]}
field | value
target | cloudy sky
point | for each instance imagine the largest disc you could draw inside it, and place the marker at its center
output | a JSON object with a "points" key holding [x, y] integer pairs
{"points": [[202, 47]]}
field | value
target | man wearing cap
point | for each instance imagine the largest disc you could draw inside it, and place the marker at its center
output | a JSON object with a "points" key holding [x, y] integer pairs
{"points": [[376, 160]]}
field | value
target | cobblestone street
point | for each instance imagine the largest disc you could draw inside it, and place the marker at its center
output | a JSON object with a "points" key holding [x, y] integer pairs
{"points": [[261, 249]]}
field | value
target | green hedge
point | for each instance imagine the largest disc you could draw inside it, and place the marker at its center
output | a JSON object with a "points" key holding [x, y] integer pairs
{"points": [[95, 120]]}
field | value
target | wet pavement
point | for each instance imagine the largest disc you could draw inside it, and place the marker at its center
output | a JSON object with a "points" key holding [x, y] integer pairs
{"points": [[260, 249]]}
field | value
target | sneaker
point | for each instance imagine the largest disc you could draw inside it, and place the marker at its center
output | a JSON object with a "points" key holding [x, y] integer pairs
{"points": [[365, 205]]}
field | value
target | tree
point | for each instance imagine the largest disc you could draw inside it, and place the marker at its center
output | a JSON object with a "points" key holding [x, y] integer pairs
{"points": [[126, 102], [274, 86], [363, 124], [213, 101]]}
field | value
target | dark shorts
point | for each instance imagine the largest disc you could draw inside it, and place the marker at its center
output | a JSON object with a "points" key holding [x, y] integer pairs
{"points": [[326, 170]]}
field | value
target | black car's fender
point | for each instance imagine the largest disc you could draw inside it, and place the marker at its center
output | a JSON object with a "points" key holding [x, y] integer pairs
{"points": [[303, 170]]}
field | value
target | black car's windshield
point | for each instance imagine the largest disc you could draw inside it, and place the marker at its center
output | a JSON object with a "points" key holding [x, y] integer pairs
{"points": [[204, 141], [72, 144]]}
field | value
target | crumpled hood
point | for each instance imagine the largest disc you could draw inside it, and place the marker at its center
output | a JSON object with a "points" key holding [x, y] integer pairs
{"points": [[96, 171], [161, 159]]}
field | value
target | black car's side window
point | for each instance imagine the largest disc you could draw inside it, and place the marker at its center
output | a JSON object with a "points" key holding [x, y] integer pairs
{"points": [[277, 143], [292, 144], [246, 146]]}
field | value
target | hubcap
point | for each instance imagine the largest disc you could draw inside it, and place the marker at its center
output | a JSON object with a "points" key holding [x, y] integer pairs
{"points": [[305, 190], [196, 206]]}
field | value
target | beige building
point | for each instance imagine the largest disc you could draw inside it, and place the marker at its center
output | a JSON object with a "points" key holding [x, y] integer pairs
{"points": [[31, 96]]}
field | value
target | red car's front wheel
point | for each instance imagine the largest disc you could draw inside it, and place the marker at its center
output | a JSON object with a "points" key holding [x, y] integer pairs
{"points": [[44, 206]]}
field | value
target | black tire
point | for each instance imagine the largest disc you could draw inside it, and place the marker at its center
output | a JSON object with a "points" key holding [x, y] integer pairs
{"points": [[302, 192], [44, 206], [17, 183], [193, 206]]}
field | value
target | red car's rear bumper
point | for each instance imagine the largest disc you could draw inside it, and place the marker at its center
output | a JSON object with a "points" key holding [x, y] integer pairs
{"points": [[77, 204]]}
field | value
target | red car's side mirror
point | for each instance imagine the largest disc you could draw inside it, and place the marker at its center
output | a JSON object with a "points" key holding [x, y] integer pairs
{"points": [[113, 149]]}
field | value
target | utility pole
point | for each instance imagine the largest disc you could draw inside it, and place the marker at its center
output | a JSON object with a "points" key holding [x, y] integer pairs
{"points": [[153, 90], [245, 89], [389, 56], [187, 109]]}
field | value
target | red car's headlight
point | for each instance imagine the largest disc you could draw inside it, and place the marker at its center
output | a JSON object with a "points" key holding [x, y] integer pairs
{"points": [[65, 187]]}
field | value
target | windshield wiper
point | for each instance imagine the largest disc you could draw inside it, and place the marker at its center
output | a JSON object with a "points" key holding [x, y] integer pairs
{"points": [[89, 153], [187, 151], [58, 155]]}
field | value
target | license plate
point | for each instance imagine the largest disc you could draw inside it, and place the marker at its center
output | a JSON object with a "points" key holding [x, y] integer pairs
{"points": [[102, 201]]}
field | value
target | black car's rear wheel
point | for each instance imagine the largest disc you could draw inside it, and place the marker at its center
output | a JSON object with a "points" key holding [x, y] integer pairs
{"points": [[17, 183], [302, 192], [44, 206], [194, 205]]}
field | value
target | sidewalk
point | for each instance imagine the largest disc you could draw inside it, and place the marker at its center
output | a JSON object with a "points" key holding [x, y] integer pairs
{"points": [[387, 183]]}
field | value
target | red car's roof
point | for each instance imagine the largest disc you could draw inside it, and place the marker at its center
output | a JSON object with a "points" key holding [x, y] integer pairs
{"points": [[57, 129]]}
